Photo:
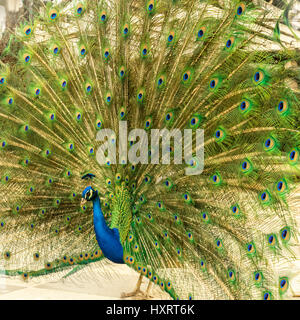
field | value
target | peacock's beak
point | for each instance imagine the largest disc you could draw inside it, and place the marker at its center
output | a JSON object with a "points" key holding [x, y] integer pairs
{"points": [[83, 201]]}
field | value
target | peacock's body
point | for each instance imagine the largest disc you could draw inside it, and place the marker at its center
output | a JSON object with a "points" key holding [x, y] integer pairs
{"points": [[220, 66]]}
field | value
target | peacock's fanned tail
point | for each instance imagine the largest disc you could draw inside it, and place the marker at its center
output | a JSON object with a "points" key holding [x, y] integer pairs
{"points": [[222, 66]]}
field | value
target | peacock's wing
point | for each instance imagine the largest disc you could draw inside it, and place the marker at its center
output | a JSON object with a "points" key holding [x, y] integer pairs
{"points": [[121, 209], [224, 67]]}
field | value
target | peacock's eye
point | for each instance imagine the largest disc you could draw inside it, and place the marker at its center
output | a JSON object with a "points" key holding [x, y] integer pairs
{"points": [[88, 195]]}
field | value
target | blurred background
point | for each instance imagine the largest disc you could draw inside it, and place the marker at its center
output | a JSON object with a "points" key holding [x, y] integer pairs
{"points": [[13, 11]]}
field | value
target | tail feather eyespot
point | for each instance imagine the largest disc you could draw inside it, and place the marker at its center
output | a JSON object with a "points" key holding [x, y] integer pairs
{"points": [[265, 197], [231, 275], [151, 6], [294, 156], [79, 9], [267, 295], [53, 14], [259, 77], [240, 10], [171, 38], [258, 278], [285, 234], [103, 16], [125, 30], [27, 30], [230, 43], [201, 33], [283, 285]]}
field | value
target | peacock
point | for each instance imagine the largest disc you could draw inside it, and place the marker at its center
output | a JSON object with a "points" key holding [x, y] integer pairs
{"points": [[216, 225]]}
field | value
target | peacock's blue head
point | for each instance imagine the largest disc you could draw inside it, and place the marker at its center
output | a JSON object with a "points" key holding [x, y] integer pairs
{"points": [[88, 194]]}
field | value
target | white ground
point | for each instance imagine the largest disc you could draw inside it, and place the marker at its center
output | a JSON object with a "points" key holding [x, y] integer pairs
{"points": [[86, 284]]}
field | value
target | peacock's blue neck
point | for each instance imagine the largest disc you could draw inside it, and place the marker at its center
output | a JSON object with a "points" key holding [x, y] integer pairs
{"points": [[98, 216], [108, 239]]}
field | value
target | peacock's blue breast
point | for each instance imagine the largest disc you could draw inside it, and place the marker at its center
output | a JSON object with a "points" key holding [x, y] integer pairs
{"points": [[110, 244]]}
